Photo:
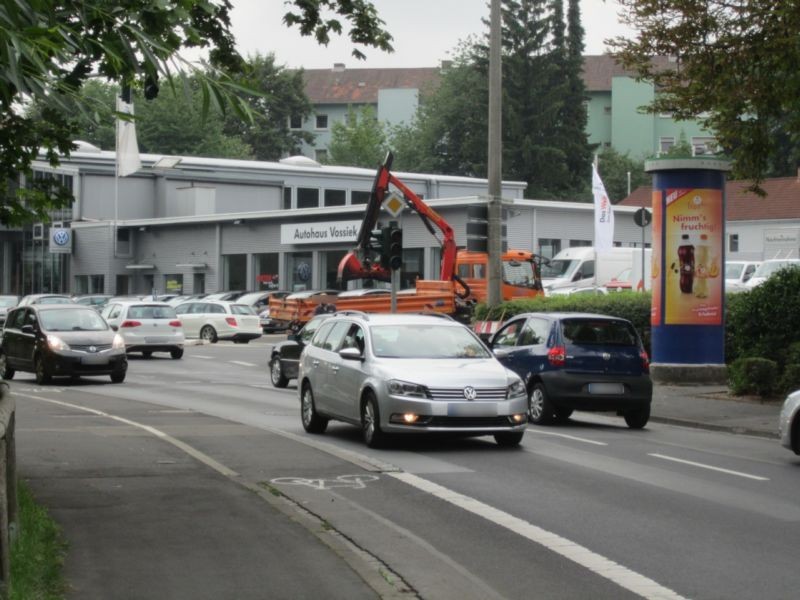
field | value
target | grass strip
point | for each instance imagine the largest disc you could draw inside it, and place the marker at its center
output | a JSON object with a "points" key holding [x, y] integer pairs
{"points": [[37, 554]]}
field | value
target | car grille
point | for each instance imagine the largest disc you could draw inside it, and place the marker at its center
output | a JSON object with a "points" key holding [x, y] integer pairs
{"points": [[85, 347], [483, 394], [465, 422]]}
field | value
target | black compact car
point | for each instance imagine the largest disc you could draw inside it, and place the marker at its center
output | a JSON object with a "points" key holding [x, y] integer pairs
{"points": [[54, 340], [285, 356], [577, 361]]}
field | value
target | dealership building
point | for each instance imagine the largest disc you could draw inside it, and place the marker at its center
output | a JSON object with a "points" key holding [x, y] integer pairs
{"points": [[197, 225]]}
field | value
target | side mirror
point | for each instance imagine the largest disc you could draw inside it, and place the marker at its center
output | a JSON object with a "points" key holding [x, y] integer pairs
{"points": [[27, 328], [351, 354]]}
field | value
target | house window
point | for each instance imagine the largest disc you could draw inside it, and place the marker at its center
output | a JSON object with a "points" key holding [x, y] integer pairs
{"points": [[665, 143], [579, 243], [295, 122], [321, 156], [123, 242], [81, 284], [322, 122], [359, 197], [97, 284], [733, 242], [287, 198], [307, 198], [704, 145], [234, 272], [335, 197]]}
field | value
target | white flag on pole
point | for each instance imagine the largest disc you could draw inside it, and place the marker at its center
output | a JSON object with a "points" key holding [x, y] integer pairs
{"points": [[603, 214], [127, 148]]}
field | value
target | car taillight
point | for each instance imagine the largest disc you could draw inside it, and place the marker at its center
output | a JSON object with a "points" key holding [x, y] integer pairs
{"points": [[231, 321], [557, 356], [175, 324], [131, 324], [645, 361]]}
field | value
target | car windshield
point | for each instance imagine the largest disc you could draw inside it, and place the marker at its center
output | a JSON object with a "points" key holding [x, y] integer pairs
{"points": [[559, 268], [733, 270], [8, 301], [310, 329], [151, 312], [250, 299], [72, 320], [242, 309], [599, 331], [518, 273], [768, 268], [53, 300], [426, 341]]}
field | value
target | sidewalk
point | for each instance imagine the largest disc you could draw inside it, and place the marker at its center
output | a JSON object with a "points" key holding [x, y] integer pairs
{"points": [[711, 407]]}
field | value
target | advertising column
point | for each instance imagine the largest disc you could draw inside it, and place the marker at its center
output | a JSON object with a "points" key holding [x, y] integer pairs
{"points": [[688, 300]]}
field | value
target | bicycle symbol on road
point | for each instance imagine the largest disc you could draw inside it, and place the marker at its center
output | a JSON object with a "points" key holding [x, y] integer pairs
{"points": [[356, 482]]}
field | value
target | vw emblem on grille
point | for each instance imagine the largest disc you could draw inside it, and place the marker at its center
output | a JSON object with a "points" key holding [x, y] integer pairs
{"points": [[470, 393], [92, 348], [606, 356]]}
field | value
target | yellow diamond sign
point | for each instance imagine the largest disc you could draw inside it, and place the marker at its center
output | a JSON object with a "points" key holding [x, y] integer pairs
{"points": [[394, 204]]}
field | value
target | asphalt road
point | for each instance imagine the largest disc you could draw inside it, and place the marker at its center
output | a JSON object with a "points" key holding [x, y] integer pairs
{"points": [[587, 509]]}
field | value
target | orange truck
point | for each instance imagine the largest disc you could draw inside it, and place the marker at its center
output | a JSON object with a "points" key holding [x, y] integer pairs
{"points": [[463, 277]]}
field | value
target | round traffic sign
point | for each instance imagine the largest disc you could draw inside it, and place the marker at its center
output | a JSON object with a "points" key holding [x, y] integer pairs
{"points": [[642, 217]]}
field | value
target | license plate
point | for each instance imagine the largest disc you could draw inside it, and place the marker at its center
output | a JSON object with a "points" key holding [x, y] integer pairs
{"points": [[606, 388], [94, 360], [472, 409]]}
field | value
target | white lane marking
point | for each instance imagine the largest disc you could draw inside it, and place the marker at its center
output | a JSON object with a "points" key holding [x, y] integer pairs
{"points": [[200, 456], [600, 565], [564, 435], [203, 357], [702, 466], [242, 363]]}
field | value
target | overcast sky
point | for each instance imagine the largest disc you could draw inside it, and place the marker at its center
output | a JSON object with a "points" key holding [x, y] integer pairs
{"points": [[425, 32]]}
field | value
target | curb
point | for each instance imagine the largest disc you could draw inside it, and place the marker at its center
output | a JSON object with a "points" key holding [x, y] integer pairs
{"points": [[720, 428]]}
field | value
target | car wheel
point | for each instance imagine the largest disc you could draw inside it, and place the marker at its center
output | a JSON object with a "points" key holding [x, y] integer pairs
{"points": [[118, 376], [562, 414], [371, 422], [147, 354], [6, 372], [43, 376], [636, 419], [508, 439], [176, 353], [312, 422], [540, 409], [276, 375], [208, 334], [795, 435]]}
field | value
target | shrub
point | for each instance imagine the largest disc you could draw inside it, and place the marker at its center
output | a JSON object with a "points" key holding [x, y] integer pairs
{"points": [[753, 376], [790, 380]]}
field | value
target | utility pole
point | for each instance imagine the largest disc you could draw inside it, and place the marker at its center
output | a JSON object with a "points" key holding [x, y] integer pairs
{"points": [[495, 207]]}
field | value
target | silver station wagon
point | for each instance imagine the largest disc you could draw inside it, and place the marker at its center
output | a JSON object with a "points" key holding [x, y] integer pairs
{"points": [[407, 373]]}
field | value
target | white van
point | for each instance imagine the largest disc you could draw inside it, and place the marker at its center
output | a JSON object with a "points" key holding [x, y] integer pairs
{"points": [[770, 267], [583, 267]]}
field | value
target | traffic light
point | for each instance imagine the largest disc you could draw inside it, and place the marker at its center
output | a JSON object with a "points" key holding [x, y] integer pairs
{"points": [[395, 248]]}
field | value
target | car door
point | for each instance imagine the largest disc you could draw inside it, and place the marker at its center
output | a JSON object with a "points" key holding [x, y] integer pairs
{"points": [[315, 368], [112, 313], [290, 352], [329, 366], [11, 333], [529, 356], [505, 340], [26, 340], [345, 376], [188, 317]]}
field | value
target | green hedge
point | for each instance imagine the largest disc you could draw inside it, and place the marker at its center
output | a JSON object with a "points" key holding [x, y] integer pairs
{"points": [[753, 376]]}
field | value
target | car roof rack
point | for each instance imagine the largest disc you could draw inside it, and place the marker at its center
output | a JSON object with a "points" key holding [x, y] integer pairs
{"points": [[353, 313], [433, 313]]}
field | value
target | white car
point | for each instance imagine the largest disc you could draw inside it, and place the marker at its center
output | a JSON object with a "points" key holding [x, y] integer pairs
{"points": [[770, 267], [214, 320], [789, 423], [738, 273], [146, 327]]}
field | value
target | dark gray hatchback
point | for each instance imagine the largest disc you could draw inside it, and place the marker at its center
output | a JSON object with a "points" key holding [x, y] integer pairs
{"points": [[60, 340], [577, 361]]}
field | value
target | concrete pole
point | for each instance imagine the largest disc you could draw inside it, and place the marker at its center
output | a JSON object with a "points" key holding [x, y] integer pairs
{"points": [[495, 207]]}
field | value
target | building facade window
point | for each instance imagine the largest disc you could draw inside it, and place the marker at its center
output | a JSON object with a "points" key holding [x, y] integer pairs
{"points": [[665, 143], [307, 198], [173, 284], [322, 121], [359, 197], [299, 266], [413, 267], [97, 284], [266, 266], [81, 284], [733, 242], [287, 198], [234, 272], [331, 261], [335, 197], [549, 247], [704, 145], [579, 243], [123, 242], [199, 283], [295, 122], [123, 285]]}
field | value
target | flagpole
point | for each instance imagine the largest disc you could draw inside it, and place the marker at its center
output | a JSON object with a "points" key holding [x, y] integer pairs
{"points": [[116, 188]]}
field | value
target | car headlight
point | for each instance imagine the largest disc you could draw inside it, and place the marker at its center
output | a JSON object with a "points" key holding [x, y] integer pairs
{"points": [[516, 390], [410, 390], [118, 343], [56, 343]]}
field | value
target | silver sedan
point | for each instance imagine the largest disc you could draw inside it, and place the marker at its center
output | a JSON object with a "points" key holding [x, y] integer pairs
{"points": [[789, 422], [408, 374]]}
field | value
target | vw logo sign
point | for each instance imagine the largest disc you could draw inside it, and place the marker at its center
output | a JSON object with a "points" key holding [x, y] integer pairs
{"points": [[92, 348], [303, 271], [606, 356], [470, 393], [61, 237]]}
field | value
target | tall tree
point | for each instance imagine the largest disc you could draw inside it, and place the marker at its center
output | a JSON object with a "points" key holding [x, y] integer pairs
{"points": [[614, 168], [734, 60], [51, 48], [359, 141]]}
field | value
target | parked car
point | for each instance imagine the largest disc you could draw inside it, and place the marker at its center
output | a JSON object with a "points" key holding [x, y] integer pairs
{"points": [[770, 267], [45, 299], [147, 327], [406, 373], [227, 296], [789, 422], [738, 273], [577, 361], [54, 340], [96, 301], [621, 282], [214, 320], [361, 292], [6, 304], [173, 302], [285, 355]]}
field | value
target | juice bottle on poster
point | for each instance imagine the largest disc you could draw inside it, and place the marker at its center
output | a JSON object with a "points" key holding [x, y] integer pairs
{"points": [[686, 262], [702, 268]]}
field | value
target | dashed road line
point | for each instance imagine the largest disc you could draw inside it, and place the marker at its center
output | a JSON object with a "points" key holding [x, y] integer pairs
{"points": [[202, 356], [242, 363], [710, 467], [568, 437]]}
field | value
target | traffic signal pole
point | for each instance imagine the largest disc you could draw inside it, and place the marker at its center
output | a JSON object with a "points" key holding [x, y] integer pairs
{"points": [[495, 208]]}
